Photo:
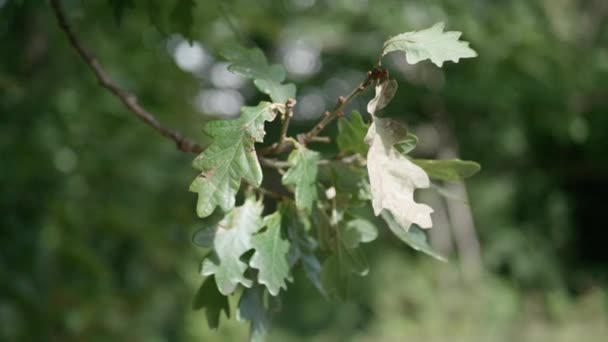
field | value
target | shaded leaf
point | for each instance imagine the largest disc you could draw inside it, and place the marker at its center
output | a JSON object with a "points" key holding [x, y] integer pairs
{"points": [[230, 158], [252, 309], [449, 169], [339, 268], [412, 236], [431, 43], [351, 133], [322, 224], [270, 256], [302, 246], [232, 239], [209, 298], [182, 18], [251, 63], [119, 7], [204, 236], [302, 175], [357, 231]]}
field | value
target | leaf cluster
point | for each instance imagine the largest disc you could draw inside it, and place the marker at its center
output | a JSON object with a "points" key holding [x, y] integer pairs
{"points": [[319, 216]]}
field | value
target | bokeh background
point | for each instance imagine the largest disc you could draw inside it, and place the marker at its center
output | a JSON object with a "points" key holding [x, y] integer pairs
{"points": [[96, 220]]}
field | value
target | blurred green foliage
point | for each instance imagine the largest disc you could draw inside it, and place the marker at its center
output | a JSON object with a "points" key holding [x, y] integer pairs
{"points": [[96, 219]]}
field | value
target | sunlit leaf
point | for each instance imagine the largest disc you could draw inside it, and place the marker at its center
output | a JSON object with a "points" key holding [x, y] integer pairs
{"points": [[232, 239], [393, 177], [431, 43], [230, 158], [339, 269], [303, 246]]}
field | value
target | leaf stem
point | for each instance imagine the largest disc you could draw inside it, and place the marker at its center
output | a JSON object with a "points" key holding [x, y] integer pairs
{"points": [[337, 111], [275, 164], [285, 145]]}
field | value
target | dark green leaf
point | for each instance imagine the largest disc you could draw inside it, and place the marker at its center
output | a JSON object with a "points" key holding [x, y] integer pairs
{"points": [[351, 134], [209, 298], [339, 268], [230, 158], [449, 170], [251, 308], [232, 239], [431, 43], [302, 245]]}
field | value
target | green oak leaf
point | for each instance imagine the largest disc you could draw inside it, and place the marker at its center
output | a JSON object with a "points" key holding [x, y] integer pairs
{"points": [[357, 231], [233, 237], [346, 260], [230, 158], [270, 256], [448, 169], [431, 43], [351, 133], [209, 298], [349, 181], [251, 308], [324, 230], [412, 236], [302, 175], [302, 245], [251, 63]]}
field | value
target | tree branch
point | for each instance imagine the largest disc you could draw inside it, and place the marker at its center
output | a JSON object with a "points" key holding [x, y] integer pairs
{"points": [[312, 135], [130, 101]]}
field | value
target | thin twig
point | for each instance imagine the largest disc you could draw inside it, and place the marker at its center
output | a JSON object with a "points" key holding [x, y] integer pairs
{"points": [[129, 100], [274, 163], [323, 139], [286, 119], [271, 194], [312, 135]]}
